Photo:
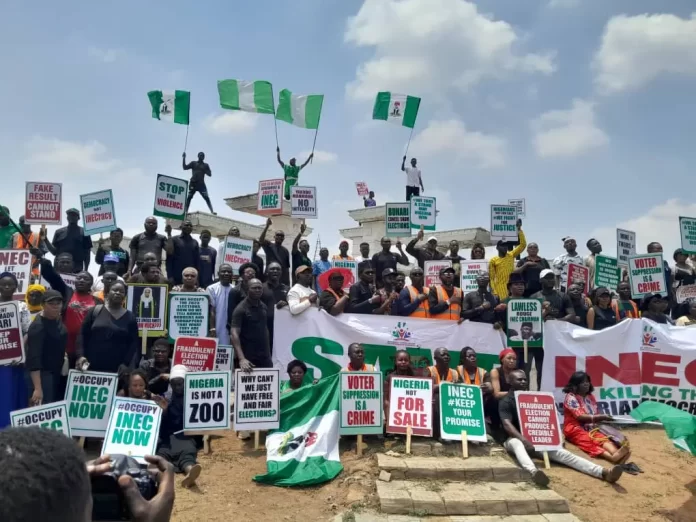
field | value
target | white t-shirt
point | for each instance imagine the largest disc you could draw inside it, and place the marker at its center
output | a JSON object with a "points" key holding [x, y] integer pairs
{"points": [[412, 176]]}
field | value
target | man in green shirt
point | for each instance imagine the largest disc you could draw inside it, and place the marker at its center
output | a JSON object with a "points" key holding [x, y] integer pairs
{"points": [[6, 229], [292, 172]]}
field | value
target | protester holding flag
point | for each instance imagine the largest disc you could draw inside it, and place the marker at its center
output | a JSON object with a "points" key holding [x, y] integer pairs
{"points": [[199, 170], [291, 171], [19, 242]]}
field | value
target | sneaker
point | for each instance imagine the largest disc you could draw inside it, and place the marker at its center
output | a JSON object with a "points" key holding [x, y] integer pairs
{"points": [[190, 478], [613, 474], [540, 478]]}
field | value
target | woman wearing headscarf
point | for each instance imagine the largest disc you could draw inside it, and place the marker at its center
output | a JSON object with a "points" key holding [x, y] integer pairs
{"points": [[13, 387], [34, 299], [499, 375]]}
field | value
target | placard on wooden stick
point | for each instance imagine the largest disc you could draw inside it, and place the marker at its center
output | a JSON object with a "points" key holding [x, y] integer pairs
{"points": [[257, 400]]}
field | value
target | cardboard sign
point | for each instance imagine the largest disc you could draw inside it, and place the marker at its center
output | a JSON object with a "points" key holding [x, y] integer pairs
{"points": [[539, 420], [11, 337], [625, 245], [687, 227], [189, 315], [685, 292], [503, 223], [461, 409], [207, 401], [578, 274], [362, 189], [52, 416], [607, 272], [270, 197], [196, 353], [68, 279], [361, 403], [423, 213], [170, 197], [89, 397], [432, 269], [133, 428], [303, 202], [43, 204], [98, 215], [237, 251], [410, 404], [646, 273], [470, 271], [521, 205], [351, 265], [256, 400], [18, 263], [148, 303], [223, 358], [525, 323], [398, 219]]}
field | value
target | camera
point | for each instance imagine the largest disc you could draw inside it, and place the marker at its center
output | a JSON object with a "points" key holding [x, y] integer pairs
{"points": [[108, 501]]}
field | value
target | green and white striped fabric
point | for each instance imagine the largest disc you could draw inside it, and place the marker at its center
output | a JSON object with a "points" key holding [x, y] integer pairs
{"points": [[303, 111], [304, 451], [171, 106], [241, 95], [396, 108]]}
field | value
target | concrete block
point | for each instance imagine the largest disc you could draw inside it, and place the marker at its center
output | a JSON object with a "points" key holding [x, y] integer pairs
{"points": [[427, 501], [560, 517], [549, 501], [384, 476], [393, 499], [389, 463], [458, 502]]}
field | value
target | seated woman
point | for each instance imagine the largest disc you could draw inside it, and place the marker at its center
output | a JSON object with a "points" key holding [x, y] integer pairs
{"points": [[499, 375], [402, 368], [137, 388], [297, 371], [580, 424], [439, 373], [468, 370]]}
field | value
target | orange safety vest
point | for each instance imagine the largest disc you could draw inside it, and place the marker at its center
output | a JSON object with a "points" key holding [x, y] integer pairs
{"points": [[424, 309], [452, 375], [635, 314], [22, 245], [365, 368], [454, 311], [478, 379]]}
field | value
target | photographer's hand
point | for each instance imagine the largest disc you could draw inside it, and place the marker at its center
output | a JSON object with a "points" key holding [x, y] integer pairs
{"points": [[159, 509], [99, 466]]}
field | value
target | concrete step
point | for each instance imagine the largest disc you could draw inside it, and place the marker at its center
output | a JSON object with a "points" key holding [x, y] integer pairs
{"points": [[427, 498], [378, 517], [488, 469]]}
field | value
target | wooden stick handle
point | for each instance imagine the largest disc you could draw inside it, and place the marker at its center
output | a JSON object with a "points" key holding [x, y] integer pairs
{"points": [[409, 433]]}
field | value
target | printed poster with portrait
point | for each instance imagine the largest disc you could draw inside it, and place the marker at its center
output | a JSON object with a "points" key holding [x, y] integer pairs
{"points": [[525, 323], [148, 303]]}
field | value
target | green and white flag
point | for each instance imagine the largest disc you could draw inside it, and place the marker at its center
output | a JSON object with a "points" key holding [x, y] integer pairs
{"points": [[241, 95], [171, 106], [303, 111], [679, 425], [304, 451], [396, 108]]}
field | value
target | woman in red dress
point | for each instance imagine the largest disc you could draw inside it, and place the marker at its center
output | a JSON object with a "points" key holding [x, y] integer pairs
{"points": [[581, 424]]}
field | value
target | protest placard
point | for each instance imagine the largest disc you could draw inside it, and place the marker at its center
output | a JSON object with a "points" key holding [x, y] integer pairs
{"points": [[196, 353], [256, 400], [189, 315], [98, 215], [17, 263], [625, 245], [237, 251], [687, 227], [207, 401], [423, 213], [270, 197], [503, 223], [521, 205], [11, 337], [461, 409], [539, 420], [525, 323], [303, 202], [43, 203], [361, 403], [398, 219], [68, 279], [470, 271], [607, 272], [133, 428], [170, 197], [432, 269], [579, 274], [148, 303], [362, 189], [410, 405], [52, 416], [347, 264], [89, 396], [646, 273], [223, 358], [685, 292]]}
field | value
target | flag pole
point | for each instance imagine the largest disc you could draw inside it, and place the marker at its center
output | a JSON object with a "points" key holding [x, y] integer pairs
{"points": [[186, 140], [275, 122], [409, 141], [16, 227]]}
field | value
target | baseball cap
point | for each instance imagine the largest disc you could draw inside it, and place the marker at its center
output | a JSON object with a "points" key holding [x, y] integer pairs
{"points": [[51, 295], [177, 372], [388, 271], [545, 272], [602, 291], [301, 269], [447, 269], [111, 258], [432, 238]]}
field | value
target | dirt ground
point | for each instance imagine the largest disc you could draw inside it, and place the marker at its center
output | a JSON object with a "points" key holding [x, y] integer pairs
{"points": [[665, 492]]}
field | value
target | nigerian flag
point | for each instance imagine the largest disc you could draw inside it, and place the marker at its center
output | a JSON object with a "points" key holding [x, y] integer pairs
{"points": [[304, 451], [396, 108], [171, 106], [679, 425], [241, 95], [303, 111]]}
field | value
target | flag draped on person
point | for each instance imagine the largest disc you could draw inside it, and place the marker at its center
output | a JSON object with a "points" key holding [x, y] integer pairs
{"points": [[171, 106], [304, 451], [242, 95], [396, 108], [300, 110], [679, 425]]}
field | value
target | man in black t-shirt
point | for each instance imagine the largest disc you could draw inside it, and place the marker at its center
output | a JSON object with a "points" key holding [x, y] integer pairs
{"points": [[148, 241], [200, 169], [387, 259], [300, 249], [183, 252], [72, 240], [276, 251], [249, 330], [555, 305], [530, 267]]}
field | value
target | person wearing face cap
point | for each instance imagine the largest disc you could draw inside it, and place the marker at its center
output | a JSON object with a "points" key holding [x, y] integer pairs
{"points": [[560, 264], [601, 315], [71, 239], [501, 266], [445, 300], [481, 306], [110, 263], [342, 252], [429, 253], [413, 300], [301, 297], [655, 307]]}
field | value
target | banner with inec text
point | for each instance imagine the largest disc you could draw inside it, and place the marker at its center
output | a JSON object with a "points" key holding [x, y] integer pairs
{"points": [[634, 361], [321, 340]]}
